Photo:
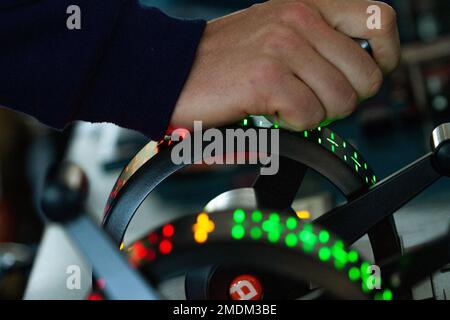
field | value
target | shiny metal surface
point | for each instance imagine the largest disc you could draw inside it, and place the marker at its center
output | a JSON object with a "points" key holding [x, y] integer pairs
{"points": [[440, 135], [237, 198]]}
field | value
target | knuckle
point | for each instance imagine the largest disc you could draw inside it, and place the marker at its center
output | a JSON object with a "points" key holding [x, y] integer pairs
{"points": [[350, 103], [313, 117], [388, 17], [374, 83], [343, 102], [309, 113], [299, 13]]}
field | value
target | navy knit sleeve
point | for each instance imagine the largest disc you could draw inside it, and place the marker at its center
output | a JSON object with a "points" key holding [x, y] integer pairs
{"points": [[126, 65]]}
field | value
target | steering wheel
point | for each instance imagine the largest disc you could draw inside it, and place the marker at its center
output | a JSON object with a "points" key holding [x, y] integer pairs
{"points": [[268, 241], [252, 232], [321, 150]]}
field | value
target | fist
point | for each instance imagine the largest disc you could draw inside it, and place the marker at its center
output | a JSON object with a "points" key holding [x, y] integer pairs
{"points": [[292, 60]]}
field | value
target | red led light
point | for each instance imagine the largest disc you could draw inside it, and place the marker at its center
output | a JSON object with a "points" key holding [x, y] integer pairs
{"points": [[165, 247], [168, 231], [139, 250], [95, 297]]}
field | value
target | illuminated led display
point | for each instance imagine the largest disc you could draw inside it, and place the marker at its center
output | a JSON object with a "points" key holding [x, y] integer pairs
{"points": [[271, 228], [324, 236], [277, 229], [303, 215], [165, 247], [257, 216], [354, 274], [202, 228], [168, 230]]}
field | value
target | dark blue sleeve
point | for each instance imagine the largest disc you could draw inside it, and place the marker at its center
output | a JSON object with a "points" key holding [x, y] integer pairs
{"points": [[126, 65]]}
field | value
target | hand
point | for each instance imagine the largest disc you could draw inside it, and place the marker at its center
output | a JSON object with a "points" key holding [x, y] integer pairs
{"points": [[294, 60]]}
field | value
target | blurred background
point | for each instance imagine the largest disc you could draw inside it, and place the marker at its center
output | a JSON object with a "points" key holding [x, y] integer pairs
{"points": [[391, 130]]}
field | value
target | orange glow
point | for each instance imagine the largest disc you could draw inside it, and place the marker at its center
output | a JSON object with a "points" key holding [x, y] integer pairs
{"points": [[202, 228]]}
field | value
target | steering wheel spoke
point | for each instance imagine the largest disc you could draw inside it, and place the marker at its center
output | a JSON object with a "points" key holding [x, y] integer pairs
{"points": [[381, 201], [289, 178]]}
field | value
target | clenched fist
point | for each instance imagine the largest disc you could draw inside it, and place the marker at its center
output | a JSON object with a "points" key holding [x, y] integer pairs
{"points": [[294, 60]]}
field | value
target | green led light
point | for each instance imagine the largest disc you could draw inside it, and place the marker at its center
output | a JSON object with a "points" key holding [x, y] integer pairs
{"points": [[387, 295], [239, 216], [339, 265], [353, 256], [374, 179], [324, 236], [365, 270], [308, 238], [257, 216], [274, 217], [339, 244], [305, 133], [324, 254], [291, 240], [339, 254], [256, 233], [354, 274], [345, 157], [245, 122], [267, 226], [273, 236], [364, 287], [333, 148], [291, 223], [332, 136], [365, 166], [344, 144], [319, 140], [355, 155], [238, 232], [276, 125]]}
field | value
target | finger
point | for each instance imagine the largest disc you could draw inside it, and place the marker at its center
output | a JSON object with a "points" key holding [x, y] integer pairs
{"points": [[328, 83], [358, 67], [296, 105], [351, 17]]}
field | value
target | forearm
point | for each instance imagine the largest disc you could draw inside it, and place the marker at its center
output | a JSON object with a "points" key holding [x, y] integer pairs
{"points": [[127, 64]]}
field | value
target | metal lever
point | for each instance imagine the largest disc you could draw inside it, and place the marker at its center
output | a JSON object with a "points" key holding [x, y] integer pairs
{"points": [[63, 201]]}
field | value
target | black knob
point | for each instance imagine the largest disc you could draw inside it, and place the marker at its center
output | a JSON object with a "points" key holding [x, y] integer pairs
{"points": [[65, 192]]}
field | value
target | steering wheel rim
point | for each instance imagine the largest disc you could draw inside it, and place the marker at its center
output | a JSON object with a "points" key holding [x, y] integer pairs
{"points": [[344, 167]]}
